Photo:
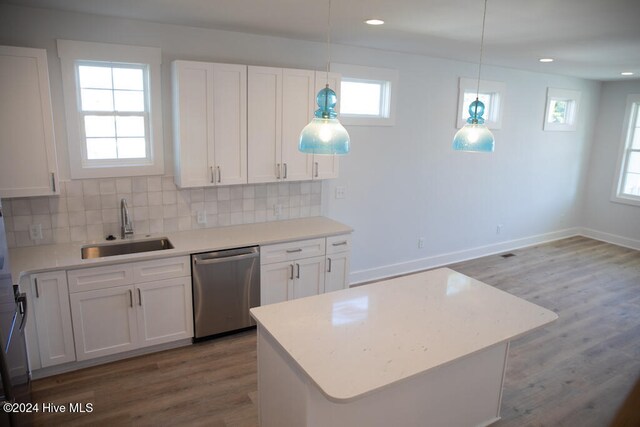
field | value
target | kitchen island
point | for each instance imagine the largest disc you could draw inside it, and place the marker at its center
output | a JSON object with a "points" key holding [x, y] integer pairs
{"points": [[427, 349]]}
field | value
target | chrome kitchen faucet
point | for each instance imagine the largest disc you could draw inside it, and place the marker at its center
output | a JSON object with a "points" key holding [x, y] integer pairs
{"points": [[126, 228]]}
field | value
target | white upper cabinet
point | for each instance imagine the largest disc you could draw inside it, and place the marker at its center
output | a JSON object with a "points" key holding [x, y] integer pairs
{"points": [[28, 165], [280, 104], [210, 123]]}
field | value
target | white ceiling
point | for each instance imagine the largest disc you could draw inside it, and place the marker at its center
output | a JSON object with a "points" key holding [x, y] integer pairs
{"points": [[594, 39]]}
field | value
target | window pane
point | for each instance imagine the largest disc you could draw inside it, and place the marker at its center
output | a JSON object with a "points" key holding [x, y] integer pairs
{"points": [[634, 163], [485, 98], [360, 98], [131, 148], [99, 126], [97, 100], [128, 78], [95, 77], [558, 111], [127, 100], [130, 126], [101, 148], [636, 137], [632, 184]]}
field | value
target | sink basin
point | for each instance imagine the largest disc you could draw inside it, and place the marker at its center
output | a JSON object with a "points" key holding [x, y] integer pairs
{"points": [[123, 248]]}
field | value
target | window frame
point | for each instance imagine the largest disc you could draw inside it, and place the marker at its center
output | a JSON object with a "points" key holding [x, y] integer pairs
{"points": [[73, 54], [631, 116], [496, 90], [389, 88], [572, 96]]}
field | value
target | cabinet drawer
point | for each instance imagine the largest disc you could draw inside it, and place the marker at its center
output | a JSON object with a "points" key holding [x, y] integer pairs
{"points": [[167, 268], [337, 244], [291, 250], [87, 279]]}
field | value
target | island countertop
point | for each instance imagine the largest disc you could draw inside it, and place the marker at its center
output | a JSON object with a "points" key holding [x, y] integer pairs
{"points": [[353, 342]]}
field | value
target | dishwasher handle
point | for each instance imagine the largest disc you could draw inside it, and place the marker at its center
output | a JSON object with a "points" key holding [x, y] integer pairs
{"points": [[207, 259]]}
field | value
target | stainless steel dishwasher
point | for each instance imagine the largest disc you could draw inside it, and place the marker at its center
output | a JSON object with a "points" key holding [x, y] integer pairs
{"points": [[226, 284]]}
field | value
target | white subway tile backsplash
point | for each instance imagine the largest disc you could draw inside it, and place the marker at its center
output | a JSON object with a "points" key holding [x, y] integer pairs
{"points": [[90, 209]]}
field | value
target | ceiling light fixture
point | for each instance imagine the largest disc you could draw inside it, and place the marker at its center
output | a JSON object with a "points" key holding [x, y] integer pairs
{"points": [[325, 134], [546, 60], [475, 136], [374, 21], [626, 73]]}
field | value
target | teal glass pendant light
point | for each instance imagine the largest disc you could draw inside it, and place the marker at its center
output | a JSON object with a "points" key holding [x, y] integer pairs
{"points": [[325, 134], [475, 136]]}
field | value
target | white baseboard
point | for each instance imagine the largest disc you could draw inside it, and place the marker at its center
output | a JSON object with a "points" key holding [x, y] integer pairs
{"points": [[610, 238], [391, 270]]}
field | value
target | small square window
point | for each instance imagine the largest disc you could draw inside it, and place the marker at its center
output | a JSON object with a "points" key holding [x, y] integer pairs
{"points": [[562, 110], [363, 98], [491, 95]]}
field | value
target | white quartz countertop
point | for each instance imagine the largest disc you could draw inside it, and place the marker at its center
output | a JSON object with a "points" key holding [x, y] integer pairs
{"points": [[358, 340], [35, 259]]}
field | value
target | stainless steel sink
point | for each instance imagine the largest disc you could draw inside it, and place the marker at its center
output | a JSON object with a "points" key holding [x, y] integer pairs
{"points": [[123, 248]]}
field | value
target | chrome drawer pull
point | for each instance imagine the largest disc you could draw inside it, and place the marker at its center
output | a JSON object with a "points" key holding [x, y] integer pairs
{"points": [[344, 242], [291, 265], [130, 298], [292, 251], [329, 269]]}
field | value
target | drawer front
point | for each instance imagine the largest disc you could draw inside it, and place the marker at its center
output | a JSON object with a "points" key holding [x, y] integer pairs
{"points": [[87, 279], [337, 244], [158, 269], [291, 250]]}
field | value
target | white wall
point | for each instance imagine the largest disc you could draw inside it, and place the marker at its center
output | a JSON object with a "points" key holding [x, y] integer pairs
{"points": [[402, 181], [603, 218]]}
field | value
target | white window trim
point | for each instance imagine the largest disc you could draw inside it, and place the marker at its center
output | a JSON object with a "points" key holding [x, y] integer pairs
{"points": [[359, 72], [616, 196], [562, 95], [71, 51], [486, 86]]}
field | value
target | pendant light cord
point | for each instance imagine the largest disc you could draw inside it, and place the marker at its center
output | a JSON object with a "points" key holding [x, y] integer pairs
{"points": [[329, 41], [484, 18]]}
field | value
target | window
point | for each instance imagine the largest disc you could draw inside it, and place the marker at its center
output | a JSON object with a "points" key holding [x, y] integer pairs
{"points": [[366, 95], [562, 110], [627, 186], [491, 94], [111, 95]]}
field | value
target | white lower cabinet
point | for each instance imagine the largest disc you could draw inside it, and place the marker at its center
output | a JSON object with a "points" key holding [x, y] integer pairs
{"points": [[312, 267], [54, 333]]}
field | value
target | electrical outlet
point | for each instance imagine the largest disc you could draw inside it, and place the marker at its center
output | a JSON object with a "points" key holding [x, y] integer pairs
{"points": [[498, 228], [201, 217], [420, 242], [35, 232], [341, 192], [277, 209]]}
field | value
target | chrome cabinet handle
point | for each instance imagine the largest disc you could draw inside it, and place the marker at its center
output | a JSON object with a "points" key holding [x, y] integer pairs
{"points": [[139, 298], [317, 167], [340, 243], [298, 274], [53, 181], [35, 281], [219, 175], [130, 298], [211, 172], [293, 251], [285, 171], [329, 269], [277, 170], [291, 277]]}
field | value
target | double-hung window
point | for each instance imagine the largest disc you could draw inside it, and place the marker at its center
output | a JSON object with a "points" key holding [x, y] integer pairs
{"points": [[627, 184], [112, 99]]}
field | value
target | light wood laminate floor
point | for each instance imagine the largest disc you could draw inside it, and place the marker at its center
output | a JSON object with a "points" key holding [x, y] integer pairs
{"points": [[576, 372]]}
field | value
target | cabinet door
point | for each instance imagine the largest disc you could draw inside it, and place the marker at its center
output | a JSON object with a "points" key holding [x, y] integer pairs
{"points": [[337, 272], [275, 282], [28, 165], [53, 318], [193, 123], [104, 322], [164, 311], [309, 277], [325, 167], [264, 128], [298, 99], [230, 123]]}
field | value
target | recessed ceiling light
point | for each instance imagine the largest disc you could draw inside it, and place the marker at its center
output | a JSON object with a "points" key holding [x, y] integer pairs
{"points": [[546, 59], [626, 73], [374, 21]]}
